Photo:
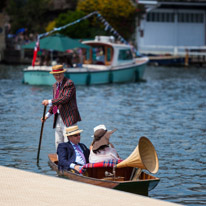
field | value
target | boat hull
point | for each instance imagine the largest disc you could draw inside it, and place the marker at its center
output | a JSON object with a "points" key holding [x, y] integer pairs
{"points": [[141, 186], [166, 60], [83, 76], [37, 77]]}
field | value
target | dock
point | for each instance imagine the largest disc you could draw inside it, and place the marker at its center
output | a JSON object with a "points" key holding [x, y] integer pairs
{"points": [[25, 188], [185, 55]]}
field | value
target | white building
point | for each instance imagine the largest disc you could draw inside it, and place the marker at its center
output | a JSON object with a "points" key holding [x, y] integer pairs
{"points": [[172, 26]]}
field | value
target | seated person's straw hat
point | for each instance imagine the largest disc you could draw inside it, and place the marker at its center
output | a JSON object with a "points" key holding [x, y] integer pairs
{"points": [[72, 131]]}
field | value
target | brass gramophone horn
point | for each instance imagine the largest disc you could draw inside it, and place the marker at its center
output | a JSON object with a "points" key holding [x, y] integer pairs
{"points": [[144, 156]]}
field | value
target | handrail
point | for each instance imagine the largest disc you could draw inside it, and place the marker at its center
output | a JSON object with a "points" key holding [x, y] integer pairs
{"points": [[174, 50]]}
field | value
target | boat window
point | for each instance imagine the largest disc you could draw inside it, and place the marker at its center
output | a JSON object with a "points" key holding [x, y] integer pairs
{"points": [[125, 54], [109, 54], [87, 54], [98, 54]]}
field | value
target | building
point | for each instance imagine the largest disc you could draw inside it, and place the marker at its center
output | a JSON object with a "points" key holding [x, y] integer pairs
{"points": [[172, 27]]}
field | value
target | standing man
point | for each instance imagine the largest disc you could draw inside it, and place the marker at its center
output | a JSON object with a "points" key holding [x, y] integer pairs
{"points": [[63, 105]]}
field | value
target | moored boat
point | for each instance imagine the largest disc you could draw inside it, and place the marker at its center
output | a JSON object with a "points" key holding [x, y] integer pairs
{"points": [[167, 60], [105, 62]]}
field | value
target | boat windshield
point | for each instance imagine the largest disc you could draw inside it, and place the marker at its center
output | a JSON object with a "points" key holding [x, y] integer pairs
{"points": [[125, 55]]}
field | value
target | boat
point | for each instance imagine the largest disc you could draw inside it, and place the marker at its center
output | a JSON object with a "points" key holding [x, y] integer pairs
{"points": [[167, 60], [104, 63], [126, 175]]}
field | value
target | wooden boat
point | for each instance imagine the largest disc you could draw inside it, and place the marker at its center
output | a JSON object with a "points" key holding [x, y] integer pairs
{"points": [[105, 62], [123, 176], [122, 181]]}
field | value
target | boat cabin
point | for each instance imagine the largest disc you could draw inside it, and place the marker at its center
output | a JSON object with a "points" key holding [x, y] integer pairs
{"points": [[104, 51]]}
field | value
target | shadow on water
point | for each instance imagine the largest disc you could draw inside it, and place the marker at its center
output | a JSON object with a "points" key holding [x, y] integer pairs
{"points": [[169, 108]]}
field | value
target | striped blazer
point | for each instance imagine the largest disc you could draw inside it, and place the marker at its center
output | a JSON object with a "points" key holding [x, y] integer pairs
{"points": [[66, 103]]}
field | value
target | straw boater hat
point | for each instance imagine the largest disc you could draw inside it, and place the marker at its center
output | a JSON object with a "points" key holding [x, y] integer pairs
{"points": [[57, 69], [101, 136], [72, 131]]}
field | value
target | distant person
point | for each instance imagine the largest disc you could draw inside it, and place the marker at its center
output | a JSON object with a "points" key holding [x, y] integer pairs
{"points": [[63, 105], [37, 61], [75, 59], [69, 61], [101, 148], [72, 154], [100, 57], [47, 61]]}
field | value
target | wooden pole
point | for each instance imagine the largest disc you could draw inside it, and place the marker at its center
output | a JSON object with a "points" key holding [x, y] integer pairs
{"points": [[42, 126], [186, 58]]}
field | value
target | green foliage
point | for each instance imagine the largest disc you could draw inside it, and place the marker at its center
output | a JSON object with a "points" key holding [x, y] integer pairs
{"points": [[36, 16], [51, 25], [83, 29], [120, 14], [28, 14]]}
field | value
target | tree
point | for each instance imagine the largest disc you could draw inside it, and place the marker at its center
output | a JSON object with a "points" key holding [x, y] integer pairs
{"points": [[75, 30], [28, 14], [120, 14], [2, 5], [83, 29]]}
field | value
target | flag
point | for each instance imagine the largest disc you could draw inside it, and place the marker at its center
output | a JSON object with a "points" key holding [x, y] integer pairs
{"points": [[36, 49]]}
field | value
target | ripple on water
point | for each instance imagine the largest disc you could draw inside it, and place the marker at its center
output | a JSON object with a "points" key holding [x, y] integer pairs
{"points": [[169, 109]]}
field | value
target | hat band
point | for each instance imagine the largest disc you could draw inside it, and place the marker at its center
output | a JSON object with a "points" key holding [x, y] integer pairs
{"points": [[57, 70], [72, 131], [98, 138]]}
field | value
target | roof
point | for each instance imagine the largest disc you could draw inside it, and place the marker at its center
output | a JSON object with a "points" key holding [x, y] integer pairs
{"points": [[175, 3], [114, 45], [105, 40], [170, 1]]}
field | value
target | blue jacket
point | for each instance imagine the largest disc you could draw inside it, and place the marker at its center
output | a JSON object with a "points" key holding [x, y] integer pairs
{"points": [[67, 155]]}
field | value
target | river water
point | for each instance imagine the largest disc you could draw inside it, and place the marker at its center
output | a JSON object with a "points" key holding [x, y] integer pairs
{"points": [[169, 108]]}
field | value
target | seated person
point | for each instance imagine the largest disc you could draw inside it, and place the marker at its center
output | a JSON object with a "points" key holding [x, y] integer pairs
{"points": [[101, 149], [72, 154]]}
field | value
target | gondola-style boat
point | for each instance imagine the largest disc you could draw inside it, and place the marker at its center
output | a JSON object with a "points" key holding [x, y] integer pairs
{"points": [[126, 175]]}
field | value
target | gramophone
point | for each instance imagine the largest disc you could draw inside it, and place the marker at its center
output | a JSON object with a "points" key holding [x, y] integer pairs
{"points": [[144, 156]]}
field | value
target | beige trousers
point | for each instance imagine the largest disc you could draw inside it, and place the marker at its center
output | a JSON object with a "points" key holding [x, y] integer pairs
{"points": [[60, 131]]}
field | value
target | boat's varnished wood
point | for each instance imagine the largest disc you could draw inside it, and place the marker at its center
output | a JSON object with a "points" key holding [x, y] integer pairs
{"points": [[79, 178], [96, 176], [53, 157]]}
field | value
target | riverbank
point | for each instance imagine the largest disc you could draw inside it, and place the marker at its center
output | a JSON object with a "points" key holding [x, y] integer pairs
{"points": [[19, 187]]}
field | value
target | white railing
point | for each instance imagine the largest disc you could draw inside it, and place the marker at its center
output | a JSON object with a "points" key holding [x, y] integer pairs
{"points": [[172, 50]]}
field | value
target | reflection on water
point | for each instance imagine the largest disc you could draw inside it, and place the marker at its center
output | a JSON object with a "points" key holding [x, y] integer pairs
{"points": [[169, 109]]}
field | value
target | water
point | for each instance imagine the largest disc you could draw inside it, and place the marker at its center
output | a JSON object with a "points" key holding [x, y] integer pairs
{"points": [[169, 108]]}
